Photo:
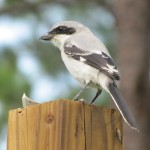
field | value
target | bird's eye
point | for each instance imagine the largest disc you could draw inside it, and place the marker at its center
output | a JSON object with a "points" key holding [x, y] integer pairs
{"points": [[61, 29], [64, 30]]}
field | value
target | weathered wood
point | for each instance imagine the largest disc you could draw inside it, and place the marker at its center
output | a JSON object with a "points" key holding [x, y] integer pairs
{"points": [[64, 125]]}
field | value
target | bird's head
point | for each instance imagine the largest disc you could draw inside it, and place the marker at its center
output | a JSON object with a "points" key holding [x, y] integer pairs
{"points": [[61, 31]]}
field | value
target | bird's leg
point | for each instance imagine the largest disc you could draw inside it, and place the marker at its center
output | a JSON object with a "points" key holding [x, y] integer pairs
{"points": [[99, 91], [79, 93]]}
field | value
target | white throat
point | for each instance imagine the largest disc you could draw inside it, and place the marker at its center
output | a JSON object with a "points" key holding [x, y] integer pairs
{"points": [[59, 40]]}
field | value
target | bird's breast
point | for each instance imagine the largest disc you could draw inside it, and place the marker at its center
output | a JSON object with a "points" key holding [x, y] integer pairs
{"points": [[80, 71]]}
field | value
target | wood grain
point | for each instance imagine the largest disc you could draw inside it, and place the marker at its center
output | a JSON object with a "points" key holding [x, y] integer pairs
{"points": [[64, 125]]}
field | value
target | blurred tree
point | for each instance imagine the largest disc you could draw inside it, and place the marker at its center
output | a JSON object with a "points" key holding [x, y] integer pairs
{"points": [[133, 26]]}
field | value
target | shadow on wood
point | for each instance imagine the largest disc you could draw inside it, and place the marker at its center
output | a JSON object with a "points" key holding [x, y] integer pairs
{"points": [[64, 125]]}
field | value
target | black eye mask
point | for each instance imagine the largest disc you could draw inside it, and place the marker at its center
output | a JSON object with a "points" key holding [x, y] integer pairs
{"points": [[63, 30]]}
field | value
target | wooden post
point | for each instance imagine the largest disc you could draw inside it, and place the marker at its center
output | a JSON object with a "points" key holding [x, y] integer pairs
{"points": [[64, 125]]}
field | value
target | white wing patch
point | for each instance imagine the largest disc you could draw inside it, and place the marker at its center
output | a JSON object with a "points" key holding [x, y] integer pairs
{"points": [[110, 68], [82, 59], [98, 52]]}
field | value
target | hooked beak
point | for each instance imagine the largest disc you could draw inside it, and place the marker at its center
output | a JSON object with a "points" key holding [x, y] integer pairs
{"points": [[47, 37]]}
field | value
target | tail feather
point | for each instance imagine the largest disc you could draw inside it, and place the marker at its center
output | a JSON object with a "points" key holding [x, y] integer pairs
{"points": [[122, 106]]}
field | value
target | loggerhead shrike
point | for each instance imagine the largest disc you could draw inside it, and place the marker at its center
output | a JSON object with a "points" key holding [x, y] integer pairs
{"points": [[89, 61]]}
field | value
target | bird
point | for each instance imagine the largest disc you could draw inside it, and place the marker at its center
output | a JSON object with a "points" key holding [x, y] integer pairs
{"points": [[89, 62]]}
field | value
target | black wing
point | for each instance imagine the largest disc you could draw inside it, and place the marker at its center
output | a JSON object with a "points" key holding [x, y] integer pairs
{"points": [[101, 61]]}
